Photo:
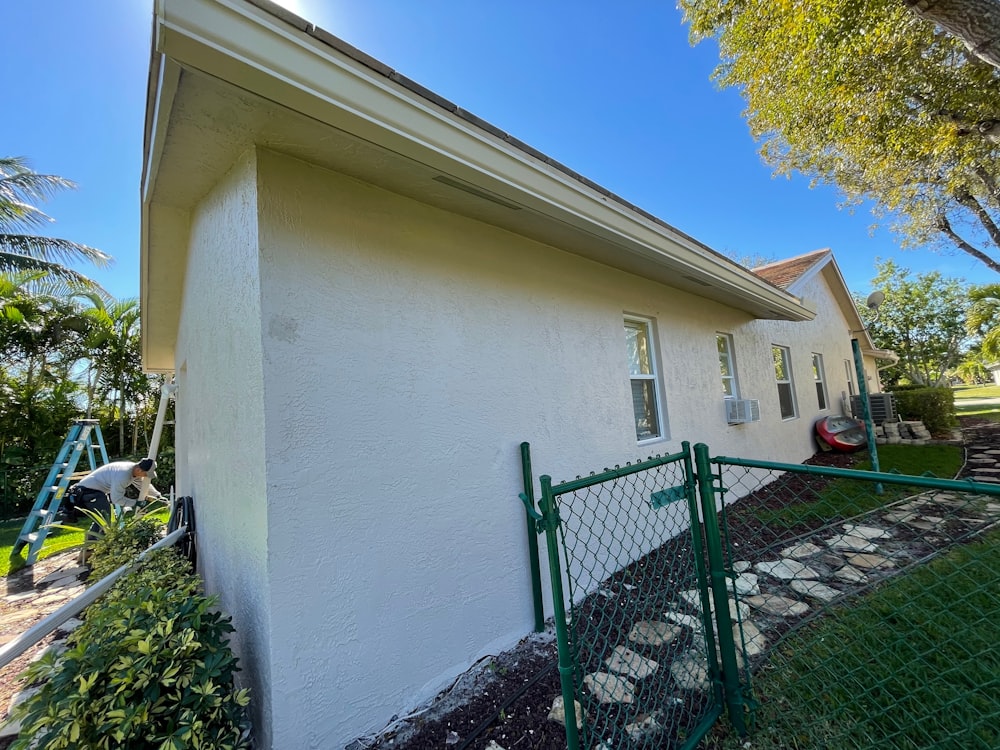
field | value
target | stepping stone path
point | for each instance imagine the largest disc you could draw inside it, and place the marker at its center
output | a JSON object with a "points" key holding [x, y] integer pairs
{"points": [[808, 574], [32, 594]]}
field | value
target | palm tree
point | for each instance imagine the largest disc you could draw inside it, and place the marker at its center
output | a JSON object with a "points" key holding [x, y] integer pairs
{"points": [[116, 369], [20, 250]]}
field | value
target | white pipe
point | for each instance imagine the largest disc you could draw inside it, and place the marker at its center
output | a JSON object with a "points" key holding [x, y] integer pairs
{"points": [[166, 393]]}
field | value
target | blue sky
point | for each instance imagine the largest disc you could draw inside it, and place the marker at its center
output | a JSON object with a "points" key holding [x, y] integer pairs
{"points": [[612, 90]]}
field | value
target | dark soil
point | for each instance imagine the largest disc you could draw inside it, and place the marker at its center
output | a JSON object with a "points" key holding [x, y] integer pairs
{"points": [[507, 702]]}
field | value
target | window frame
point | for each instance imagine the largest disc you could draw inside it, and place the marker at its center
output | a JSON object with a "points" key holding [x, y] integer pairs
{"points": [[730, 355], [647, 325], [788, 381], [819, 378]]}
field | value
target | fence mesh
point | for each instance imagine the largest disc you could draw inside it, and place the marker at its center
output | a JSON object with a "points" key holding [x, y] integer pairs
{"points": [[634, 584], [868, 604]]}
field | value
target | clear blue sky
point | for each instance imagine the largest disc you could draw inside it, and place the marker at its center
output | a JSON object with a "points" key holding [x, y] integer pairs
{"points": [[612, 90]]}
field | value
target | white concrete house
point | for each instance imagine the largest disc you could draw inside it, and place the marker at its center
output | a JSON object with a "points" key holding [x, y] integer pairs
{"points": [[369, 299]]}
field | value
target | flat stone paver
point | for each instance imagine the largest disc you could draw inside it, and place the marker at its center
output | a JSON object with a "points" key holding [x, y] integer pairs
{"points": [[808, 549], [777, 606], [653, 633], [610, 688], [870, 562], [816, 590], [630, 664], [786, 569]]}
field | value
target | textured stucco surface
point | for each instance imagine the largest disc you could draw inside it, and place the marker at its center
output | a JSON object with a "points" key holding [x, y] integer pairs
{"points": [[364, 367], [220, 416]]}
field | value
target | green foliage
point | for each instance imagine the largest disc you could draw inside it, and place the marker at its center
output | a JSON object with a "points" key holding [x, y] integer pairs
{"points": [[872, 99], [121, 539], [20, 189], [150, 669], [922, 319], [935, 407]]}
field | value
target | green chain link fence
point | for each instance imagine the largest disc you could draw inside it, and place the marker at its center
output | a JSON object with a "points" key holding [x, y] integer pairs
{"points": [[836, 610], [868, 605], [632, 575]]}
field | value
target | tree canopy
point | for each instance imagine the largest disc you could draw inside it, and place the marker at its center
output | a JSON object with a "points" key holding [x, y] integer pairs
{"points": [[868, 96], [922, 319]]}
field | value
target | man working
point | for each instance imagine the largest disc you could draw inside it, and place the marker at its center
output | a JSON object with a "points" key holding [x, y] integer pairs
{"points": [[106, 485]]}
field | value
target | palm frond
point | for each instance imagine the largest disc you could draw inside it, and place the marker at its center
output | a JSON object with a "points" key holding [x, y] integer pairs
{"points": [[14, 262], [53, 249]]}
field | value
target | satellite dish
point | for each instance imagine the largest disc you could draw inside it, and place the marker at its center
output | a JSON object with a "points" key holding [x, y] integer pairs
{"points": [[874, 300]]}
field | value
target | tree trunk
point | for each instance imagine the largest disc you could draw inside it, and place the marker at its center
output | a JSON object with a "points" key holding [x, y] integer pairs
{"points": [[975, 22]]}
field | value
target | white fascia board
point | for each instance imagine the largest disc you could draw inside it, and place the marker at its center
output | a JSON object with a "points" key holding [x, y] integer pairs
{"points": [[248, 47]]}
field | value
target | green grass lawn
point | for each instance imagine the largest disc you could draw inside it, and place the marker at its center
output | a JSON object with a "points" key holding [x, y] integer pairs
{"points": [[58, 540], [965, 394], [914, 664], [844, 498]]}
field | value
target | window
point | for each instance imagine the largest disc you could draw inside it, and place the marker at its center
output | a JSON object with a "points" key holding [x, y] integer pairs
{"points": [[727, 367], [643, 377], [849, 368], [783, 377], [820, 379]]}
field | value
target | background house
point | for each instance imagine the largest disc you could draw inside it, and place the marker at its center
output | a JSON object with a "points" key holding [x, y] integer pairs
{"points": [[369, 298]]}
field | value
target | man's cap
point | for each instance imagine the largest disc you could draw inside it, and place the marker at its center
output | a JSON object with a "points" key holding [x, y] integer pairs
{"points": [[146, 464]]}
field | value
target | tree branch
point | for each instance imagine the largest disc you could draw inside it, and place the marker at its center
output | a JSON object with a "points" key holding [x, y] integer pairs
{"points": [[944, 226], [975, 22], [970, 201]]}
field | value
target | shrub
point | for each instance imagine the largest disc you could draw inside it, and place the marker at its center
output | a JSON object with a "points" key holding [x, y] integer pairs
{"points": [[935, 407], [149, 669], [121, 538]]}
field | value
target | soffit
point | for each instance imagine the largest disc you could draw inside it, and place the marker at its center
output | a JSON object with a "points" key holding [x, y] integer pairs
{"points": [[370, 128]]}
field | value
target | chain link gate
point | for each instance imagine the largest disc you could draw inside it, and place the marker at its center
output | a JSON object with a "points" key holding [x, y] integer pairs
{"points": [[643, 613]]}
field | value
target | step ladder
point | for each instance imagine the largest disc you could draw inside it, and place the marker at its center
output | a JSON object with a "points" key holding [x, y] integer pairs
{"points": [[84, 436]]}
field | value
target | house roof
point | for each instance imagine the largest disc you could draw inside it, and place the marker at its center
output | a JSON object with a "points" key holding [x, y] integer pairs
{"points": [[230, 75], [785, 273], [793, 274]]}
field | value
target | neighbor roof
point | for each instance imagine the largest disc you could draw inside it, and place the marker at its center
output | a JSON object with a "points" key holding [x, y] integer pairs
{"points": [[785, 273]]}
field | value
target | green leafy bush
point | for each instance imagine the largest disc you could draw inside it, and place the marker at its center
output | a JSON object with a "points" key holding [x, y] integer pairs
{"points": [[935, 407], [149, 669], [121, 539]]}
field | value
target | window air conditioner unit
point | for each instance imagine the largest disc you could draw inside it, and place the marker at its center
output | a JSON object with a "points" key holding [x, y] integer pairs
{"points": [[739, 410]]}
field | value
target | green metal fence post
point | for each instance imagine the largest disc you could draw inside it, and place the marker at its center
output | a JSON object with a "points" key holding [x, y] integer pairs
{"points": [[866, 414], [533, 560], [550, 516], [720, 592], [698, 546]]}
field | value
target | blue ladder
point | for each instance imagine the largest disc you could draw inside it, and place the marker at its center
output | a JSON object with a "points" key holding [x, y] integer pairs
{"points": [[84, 436]]}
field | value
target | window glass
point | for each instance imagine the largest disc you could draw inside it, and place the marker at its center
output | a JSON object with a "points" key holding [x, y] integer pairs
{"points": [[644, 382], [783, 378], [730, 387], [820, 379]]}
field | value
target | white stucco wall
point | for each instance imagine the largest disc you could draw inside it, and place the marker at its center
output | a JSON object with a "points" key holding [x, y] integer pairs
{"points": [[220, 416], [407, 353], [364, 369]]}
